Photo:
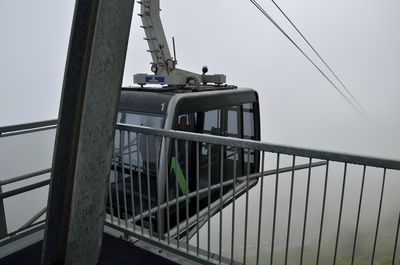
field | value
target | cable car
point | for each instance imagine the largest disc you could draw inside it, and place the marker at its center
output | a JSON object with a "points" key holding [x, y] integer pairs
{"points": [[223, 111], [149, 171]]}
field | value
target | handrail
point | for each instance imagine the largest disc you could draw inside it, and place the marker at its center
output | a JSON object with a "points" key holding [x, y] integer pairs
{"points": [[23, 189], [24, 177], [262, 146], [25, 128]]}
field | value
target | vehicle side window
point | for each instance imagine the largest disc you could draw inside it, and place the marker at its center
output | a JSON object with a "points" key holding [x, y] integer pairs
{"points": [[248, 121], [232, 123], [185, 123], [249, 133], [212, 122]]}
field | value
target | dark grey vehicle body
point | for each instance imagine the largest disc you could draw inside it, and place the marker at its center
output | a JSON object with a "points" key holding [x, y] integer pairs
{"points": [[224, 111]]}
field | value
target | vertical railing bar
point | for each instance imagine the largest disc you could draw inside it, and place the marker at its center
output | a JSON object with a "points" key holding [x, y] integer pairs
{"points": [[379, 216], [132, 183], [140, 184], [158, 195], [209, 204], [148, 184], [122, 140], [246, 208], [305, 211], [233, 207], [197, 197], [109, 186], [177, 192], [187, 192], [116, 184], [322, 212], [260, 209], [221, 194], [111, 202], [275, 210], [290, 210], [358, 215], [396, 241], [340, 214], [167, 189]]}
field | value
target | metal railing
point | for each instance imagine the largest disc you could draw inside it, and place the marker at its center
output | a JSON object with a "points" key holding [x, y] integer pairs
{"points": [[14, 187], [206, 198], [301, 207]]}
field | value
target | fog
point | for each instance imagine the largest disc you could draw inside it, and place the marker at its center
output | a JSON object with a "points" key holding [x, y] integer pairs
{"points": [[367, 223], [359, 39]]}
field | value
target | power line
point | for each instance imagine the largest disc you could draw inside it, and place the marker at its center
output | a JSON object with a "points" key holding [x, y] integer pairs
{"points": [[255, 3], [320, 57]]}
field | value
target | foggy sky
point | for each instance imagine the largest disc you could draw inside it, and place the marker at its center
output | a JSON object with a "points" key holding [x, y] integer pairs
{"points": [[359, 39]]}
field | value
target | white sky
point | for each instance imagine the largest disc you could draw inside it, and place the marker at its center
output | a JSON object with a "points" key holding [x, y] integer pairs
{"points": [[359, 39]]}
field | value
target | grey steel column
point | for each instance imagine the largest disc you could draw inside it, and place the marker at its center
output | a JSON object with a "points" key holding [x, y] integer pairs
{"points": [[85, 136]]}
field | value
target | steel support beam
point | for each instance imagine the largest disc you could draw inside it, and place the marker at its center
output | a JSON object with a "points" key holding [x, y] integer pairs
{"points": [[85, 135]]}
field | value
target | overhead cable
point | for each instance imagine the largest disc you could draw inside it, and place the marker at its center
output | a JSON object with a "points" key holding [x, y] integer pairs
{"points": [[255, 3], [320, 57]]}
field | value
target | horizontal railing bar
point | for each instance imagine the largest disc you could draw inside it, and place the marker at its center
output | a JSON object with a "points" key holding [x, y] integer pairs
{"points": [[14, 236], [13, 130], [260, 146], [4, 135], [25, 189], [254, 176], [24, 177]]}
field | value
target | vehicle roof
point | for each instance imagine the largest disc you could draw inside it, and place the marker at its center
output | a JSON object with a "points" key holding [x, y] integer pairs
{"points": [[156, 101]]}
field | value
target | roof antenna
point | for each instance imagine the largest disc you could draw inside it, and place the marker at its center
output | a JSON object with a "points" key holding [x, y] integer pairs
{"points": [[173, 45]]}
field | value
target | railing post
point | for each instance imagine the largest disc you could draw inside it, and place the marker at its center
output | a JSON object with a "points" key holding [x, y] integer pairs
{"points": [[85, 134], [3, 222]]}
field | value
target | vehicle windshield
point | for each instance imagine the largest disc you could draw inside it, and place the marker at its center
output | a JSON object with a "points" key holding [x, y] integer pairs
{"points": [[141, 119]]}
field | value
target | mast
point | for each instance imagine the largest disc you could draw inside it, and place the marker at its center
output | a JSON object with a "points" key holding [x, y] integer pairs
{"points": [[155, 36], [163, 64]]}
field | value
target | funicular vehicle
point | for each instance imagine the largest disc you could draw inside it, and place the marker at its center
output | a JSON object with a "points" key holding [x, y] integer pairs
{"points": [[145, 169]]}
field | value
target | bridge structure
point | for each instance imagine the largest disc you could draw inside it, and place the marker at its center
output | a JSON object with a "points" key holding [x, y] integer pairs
{"points": [[301, 207]]}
